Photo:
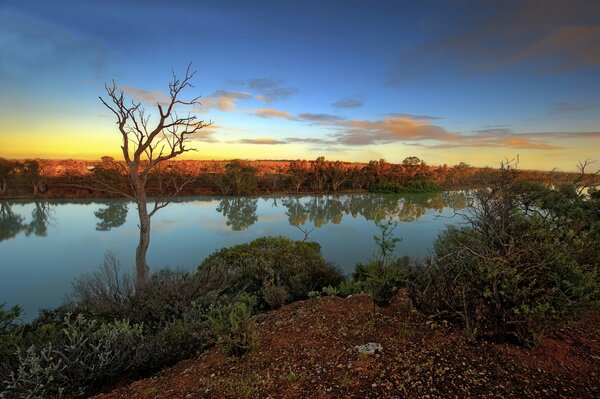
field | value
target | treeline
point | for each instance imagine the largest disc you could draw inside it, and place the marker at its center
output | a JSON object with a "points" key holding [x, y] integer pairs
{"points": [[238, 177]]}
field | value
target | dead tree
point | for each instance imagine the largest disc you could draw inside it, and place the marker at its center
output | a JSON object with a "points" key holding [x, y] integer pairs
{"points": [[144, 147]]}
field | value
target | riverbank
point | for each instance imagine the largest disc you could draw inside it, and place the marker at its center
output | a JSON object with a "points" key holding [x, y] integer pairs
{"points": [[307, 350], [35, 179]]}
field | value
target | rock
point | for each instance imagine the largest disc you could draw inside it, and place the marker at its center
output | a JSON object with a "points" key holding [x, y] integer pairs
{"points": [[370, 349]]}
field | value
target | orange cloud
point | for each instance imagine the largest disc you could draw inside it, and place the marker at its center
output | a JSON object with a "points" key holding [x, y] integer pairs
{"points": [[272, 113], [268, 141]]}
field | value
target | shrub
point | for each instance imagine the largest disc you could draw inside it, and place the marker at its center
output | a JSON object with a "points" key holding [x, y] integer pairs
{"points": [[511, 272], [86, 353], [384, 275], [234, 328], [274, 294], [298, 266]]}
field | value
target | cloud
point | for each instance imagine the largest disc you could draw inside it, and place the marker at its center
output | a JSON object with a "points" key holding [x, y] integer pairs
{"points": [[309, 140], [537, 37], [272, 113], [347, 102], [146, 96], [30, 45], [319, 117], [206, 134], [268, 141], [416, 116], [494, 131], [398, 129], [567, 108], [223, 100], [231, 94], [269, 89]]}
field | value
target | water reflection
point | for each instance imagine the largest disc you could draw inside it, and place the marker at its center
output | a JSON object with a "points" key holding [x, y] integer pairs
{"points": [[111, 216], [239, 211], [11, 223]]}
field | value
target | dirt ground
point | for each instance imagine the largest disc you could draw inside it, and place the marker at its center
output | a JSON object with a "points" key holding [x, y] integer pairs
{"points": [[307, 350]]}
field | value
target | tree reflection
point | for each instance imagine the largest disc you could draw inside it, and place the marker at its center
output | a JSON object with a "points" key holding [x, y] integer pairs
{"points": [[11, 223], [239, 211], [324, 209], [41, 217], [111, 216]]}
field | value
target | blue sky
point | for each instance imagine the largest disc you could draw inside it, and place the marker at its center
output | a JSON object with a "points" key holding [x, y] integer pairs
{"points": [[447, 81]]}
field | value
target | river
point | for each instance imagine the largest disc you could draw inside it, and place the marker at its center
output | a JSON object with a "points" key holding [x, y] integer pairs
{"points": [[45, 245]]}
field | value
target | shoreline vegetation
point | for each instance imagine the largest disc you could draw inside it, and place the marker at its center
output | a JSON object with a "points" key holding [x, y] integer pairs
{"points": [[479, 317], [32, 179]]}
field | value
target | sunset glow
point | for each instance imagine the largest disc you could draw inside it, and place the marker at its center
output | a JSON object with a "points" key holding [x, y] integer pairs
{"points": [[447, 82]]}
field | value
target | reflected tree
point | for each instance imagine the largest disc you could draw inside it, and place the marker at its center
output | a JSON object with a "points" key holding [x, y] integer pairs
{"points": [[296, 212], [112, 216], [239, 211], [297, 215], [41, 217], [11, 223]]}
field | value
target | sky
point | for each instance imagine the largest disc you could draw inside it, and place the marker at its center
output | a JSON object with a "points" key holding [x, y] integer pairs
{"points": [[447, 81]]}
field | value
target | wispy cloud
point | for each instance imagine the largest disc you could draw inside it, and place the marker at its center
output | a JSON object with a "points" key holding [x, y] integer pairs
{"points": [[347, 102], [268, 89], [564, 107], [541, 37], [319, 117], [146, 96], [262, 141], [272, 113], [416, 117]]}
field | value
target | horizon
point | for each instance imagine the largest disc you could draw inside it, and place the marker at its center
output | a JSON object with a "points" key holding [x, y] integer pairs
{"points": [[446, 82]]}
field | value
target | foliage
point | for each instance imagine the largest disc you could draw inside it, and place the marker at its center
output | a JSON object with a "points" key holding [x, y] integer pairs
{"points": [[297, 265], [384, 274], [86, 353], [234, 328], [412, 186], [524, 261], [274, 293], [239, 178]]}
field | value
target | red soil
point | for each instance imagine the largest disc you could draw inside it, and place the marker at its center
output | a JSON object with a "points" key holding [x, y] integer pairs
{"points": [[306, 350]]}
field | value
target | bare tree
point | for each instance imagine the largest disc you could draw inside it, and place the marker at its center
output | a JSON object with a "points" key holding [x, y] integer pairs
{"points": [[145, 146]]}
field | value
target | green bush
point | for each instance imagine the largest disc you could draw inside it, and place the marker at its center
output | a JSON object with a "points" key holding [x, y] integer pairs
{"points": [[274, 294], [512, 271], [297, 265], [384, 274], [85, 354], [234, 328]]}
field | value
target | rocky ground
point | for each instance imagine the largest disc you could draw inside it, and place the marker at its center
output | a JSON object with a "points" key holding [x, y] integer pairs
{"points": [[307, 350]]}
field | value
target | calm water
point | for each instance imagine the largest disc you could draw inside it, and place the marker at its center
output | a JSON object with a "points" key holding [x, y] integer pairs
{"points": [[45, 245]]}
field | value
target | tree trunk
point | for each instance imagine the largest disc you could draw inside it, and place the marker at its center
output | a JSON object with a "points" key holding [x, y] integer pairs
{"points": [[141, 267]]}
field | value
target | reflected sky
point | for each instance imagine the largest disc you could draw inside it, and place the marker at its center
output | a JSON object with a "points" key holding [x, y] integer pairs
{"points": [[44, 246]]}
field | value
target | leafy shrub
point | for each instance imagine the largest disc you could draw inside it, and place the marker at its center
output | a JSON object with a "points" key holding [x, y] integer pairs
{"points": [[274, 294], [512, 271], [384, 274], [347, 288], [298, 266], [86, 353], [234, 328], [9, 337], [330, 291]]}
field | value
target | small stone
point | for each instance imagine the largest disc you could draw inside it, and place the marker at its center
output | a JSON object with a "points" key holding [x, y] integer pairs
{"points": [[369, 349]]}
